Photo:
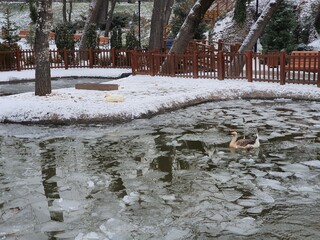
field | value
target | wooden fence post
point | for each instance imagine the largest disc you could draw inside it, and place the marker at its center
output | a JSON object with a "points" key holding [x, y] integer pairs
{"points": [[134, 61], [151, 63], [156, 61], [220, 44], [65, 58], [318, 77], [249, 65], [172, 65], [282, 67], [221, 65], [195, 62], [18, 59], [113, 57], [90, 58]]}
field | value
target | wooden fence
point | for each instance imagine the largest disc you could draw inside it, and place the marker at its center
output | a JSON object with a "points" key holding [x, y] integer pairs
{"points": [[271, 67], [200, 62], [91, 58]]}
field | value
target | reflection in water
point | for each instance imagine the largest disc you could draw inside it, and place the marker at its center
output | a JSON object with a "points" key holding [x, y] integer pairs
{"points": [[169, 177], [48, 171]]}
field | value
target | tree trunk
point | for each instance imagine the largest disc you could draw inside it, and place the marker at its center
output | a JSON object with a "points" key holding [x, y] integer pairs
{"points": [[160, 17], [64, 10], [42, 52], [189, 26], [109, 17], [91, 18], [70, 10], [258, 27]]}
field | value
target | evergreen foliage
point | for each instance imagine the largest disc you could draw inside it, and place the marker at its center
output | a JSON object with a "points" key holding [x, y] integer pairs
{"points": [[240, 11], [64, 36], [116, 38], [9, 29], [181, 10], [92, 39], [131, 40], [33, 11], [31, 35], [317, 19], [279, 33]]}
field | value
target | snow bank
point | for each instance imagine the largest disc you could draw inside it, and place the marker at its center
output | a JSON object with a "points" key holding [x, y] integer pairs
{"points": [[144, 96]]}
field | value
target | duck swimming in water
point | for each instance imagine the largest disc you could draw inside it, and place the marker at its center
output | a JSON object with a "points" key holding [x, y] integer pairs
{"points": [[244, 143]]}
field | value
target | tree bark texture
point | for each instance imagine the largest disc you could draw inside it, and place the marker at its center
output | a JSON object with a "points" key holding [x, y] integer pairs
{"points": [[91, 18], [64, 10], [42, 51], [109, 17], [160, 16], [189, 26], [258, 27]]}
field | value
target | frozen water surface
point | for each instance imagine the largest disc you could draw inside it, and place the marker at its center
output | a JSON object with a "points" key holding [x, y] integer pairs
{"points": [[168, 177]]}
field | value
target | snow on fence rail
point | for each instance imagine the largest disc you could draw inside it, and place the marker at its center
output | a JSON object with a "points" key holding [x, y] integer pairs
{"points": [[90, 58], [278, 67], [299, 67]]}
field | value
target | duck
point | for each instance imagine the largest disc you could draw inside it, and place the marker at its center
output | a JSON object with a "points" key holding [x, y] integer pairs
{"points": [[245, 143]]}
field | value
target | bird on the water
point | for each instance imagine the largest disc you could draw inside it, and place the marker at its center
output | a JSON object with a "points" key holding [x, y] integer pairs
{"points": [[245, 143]]}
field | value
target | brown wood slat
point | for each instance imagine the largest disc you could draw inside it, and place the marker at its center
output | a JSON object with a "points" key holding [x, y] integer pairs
{"points": [[97, 86]]}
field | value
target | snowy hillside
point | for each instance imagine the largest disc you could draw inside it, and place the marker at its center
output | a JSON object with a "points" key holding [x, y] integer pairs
{"points": [[226, 29]]}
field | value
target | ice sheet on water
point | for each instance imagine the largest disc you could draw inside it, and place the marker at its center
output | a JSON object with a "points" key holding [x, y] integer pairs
{"points": [[229, 195], [178, 234], [273, 184], [258, 173], [89, 236], [280, 174], [255, 210], [263, 196], [65, 205], [245, 226], [222, 177], [131, 198], [116, 229], [295, 168], [312, 163], [53, 226]]}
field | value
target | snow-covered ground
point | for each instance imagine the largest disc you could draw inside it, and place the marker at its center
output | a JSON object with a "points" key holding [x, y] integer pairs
{"points": [[137, 96]]}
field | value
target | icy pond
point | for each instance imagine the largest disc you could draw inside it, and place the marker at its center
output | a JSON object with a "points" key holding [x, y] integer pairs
{"points": [[170, 177]]}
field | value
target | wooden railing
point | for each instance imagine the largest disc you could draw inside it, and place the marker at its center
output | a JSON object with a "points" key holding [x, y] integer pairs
{"points": [[202, 62], [218, 8], [270, 67], [91, 58]]}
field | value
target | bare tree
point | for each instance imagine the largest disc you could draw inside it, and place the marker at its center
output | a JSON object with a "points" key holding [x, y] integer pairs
{"points": [[64, 10], [160, 16], [42, 52], [70, 10], [92, 17], [109, 16], [98, 13], [258, 27], [189, 26]]}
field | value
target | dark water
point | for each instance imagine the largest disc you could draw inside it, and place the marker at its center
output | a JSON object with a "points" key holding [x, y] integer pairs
{"points": [[169, 177], [57, 83]]}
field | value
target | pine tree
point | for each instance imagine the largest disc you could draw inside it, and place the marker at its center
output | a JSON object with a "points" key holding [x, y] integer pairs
{"points": [[131, 40], [317, 19], [279, 33], [240, 11], [9, 29], [116, 38]]}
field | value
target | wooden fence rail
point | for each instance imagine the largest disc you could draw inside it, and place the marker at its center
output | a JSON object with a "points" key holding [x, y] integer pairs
{"points": [[279, 67], [271, 67], [92, 58]]}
